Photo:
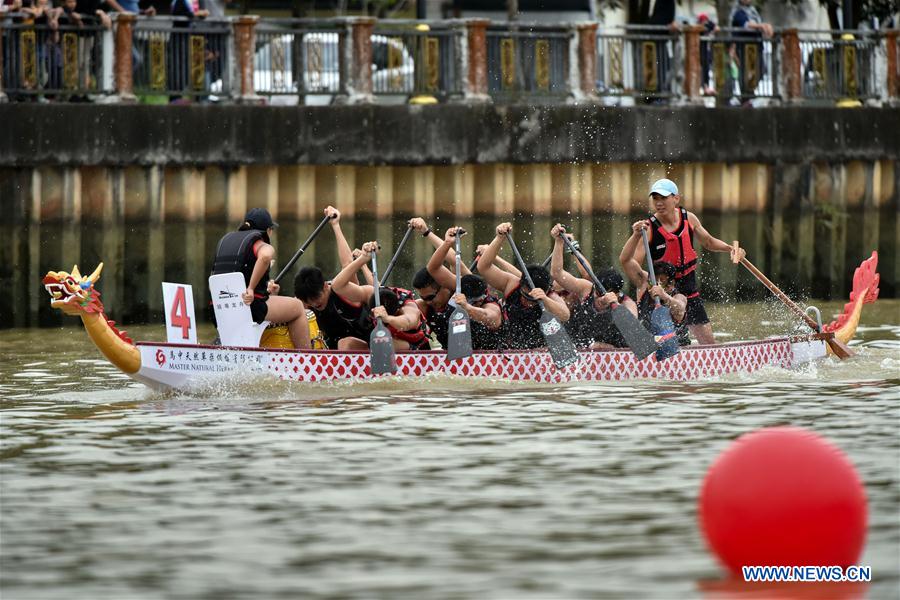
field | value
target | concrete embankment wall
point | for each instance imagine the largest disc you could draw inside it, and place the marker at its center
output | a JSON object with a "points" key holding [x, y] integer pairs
{"points": [[816, 188]]}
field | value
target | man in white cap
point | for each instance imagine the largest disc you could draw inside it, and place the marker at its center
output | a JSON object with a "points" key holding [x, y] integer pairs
{"points": [[672, 231]]}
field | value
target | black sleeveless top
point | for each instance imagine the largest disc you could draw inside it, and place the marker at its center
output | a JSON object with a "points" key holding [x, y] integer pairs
{"points": [[523, 330], [341, 318], [439, 322], [484, 338]]}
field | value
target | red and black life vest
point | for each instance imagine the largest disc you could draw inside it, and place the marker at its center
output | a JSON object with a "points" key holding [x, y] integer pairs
{"points": [[236, 253], [677, 248], [418, 335]]}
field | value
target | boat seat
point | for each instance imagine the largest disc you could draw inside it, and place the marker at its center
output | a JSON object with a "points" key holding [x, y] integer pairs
{"points": [[233, 318]]}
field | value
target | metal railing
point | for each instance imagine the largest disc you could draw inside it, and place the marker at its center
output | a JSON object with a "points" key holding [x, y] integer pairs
{"points": [[637, 61], [739, 65], [176, 56], [838, 64], [298, 57], [528, 60], [65, 63], [415, 59], [315, 61]]}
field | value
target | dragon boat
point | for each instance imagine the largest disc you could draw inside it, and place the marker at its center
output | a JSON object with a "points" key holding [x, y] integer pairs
{"points": [[165, 366]]}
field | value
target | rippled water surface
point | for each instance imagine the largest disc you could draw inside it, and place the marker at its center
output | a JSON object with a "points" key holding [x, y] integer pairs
{"points": [[433, 488]]}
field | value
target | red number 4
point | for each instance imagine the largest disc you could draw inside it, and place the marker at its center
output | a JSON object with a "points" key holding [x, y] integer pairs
{"points": [[179, 315]]}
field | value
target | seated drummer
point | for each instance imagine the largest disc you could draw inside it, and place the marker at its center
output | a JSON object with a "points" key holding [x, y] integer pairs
{"points": [[591, 324], [523, 312], [482, 308], [664, 290], [336, 316], [398, 311]]}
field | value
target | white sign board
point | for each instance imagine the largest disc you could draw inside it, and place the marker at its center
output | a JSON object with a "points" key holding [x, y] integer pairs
{"points": [[233, 318], [178, 302]]}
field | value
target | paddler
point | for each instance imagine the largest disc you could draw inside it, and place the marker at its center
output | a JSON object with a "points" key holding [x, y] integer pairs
{"points": [[398, 310], [664, 290], [248, 251], [590, 325], [483, 309], [521, 302], [672, 230], [336, 316]]}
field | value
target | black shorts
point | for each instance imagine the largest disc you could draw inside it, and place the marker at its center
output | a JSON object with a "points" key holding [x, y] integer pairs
{"points": [[259, 309], [695, 314]]}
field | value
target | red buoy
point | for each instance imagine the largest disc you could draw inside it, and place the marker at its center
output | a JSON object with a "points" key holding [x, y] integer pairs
{"points": [[783, 496]]}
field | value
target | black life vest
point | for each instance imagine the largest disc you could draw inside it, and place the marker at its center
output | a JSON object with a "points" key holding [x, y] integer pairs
{"points": [[677, 248], [340, 319], [439, 322], [647, 304], [235, 254], [523, 331], [484, 338]]}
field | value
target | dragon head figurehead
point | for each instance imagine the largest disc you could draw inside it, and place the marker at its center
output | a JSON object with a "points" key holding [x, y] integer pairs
{"points": [[73, 293]]}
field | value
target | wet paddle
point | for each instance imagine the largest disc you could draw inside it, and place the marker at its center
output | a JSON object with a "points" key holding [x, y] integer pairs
{"points": [[636, 336], [390, 267], [661, 323], [381, 343], [840, 349], [303, 248], [561, 348], [459, 336], [474, 266]]}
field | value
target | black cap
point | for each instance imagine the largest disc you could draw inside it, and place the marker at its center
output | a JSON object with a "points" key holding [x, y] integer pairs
{"points": [[259, 218], [664, 268]]}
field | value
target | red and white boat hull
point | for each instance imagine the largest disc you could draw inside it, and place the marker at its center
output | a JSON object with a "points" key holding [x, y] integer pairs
{"points": [[178, 366]]}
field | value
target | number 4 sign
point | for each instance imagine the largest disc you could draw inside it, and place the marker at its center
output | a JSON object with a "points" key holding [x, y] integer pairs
{"points": [[181, 326]]}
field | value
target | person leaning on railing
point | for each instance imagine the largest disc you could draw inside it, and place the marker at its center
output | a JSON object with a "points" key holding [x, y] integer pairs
{"points": [[745, 16]]}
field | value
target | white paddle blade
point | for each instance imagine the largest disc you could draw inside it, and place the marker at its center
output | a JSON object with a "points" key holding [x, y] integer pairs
{"points": [[233, 318]]}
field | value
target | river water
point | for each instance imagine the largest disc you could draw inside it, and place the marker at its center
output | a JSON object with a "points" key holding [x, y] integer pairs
{"points": [[408, 489]]}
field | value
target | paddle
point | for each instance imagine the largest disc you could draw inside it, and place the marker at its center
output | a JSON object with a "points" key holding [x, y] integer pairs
{"points": [[638, 339], [840, 349], [381, 343], [390, 267], [474, 266], [303, 248], [561, 348], [459, 336], [661, 323]]}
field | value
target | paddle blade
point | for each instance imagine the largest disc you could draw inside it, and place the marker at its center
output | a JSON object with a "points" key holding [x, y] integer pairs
{"points": [[381, 350], [459, 337], [636, 336], [840, 349], [663, 329], [561, 348]]}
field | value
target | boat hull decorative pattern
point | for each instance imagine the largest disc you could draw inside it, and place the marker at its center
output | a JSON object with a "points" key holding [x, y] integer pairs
{"points": [[174, 364]]}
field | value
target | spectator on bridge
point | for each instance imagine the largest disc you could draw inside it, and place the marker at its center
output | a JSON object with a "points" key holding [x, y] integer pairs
{"points": [[130, 6], [663, 15], [710, 28], [747, 20], [8, 7]]}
